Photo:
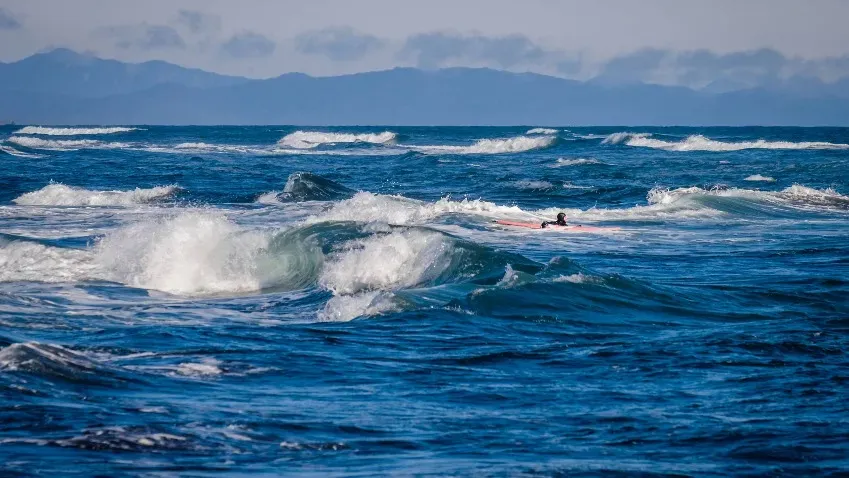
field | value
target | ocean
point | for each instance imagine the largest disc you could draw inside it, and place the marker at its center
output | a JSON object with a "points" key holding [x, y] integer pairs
{"points": [[272, 300]]}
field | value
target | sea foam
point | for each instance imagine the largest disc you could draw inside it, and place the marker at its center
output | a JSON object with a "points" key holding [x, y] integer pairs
{"points": [[702, 143], [62, 195], [516, 144], [312, 139], [46, 131]]}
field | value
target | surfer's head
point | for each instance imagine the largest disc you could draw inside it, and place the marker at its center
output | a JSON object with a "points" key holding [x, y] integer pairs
{"points": [[561, 217]]}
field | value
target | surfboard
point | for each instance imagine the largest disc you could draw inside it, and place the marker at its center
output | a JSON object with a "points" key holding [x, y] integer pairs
{"points": [[571, 228]]}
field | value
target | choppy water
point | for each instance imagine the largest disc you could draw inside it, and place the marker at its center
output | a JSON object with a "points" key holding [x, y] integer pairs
{"points": [[256, 300]]}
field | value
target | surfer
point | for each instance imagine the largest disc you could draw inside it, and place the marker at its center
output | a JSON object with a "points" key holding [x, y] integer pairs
{"points": [[561, 221]]}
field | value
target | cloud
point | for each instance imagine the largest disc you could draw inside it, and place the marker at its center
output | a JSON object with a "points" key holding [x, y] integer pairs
{"points": [[704, 68], [8, 20], [144, 37], [198, 22], [634, 67], [436, 49], [337, 43], [248, 45]]}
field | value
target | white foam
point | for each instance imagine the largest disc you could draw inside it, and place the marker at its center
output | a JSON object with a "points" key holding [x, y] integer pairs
{"points": [[42, 130], [206, 368], [577, 278], [758, 177], [370, 207], [792, 195], [312, 139], [63, 144], [343, 308], [364, 270], [31, 261], [14, 152], [192, 253], [493, 146], [61, 195], [533, 185], [702, 143], [542, 131], [562, 162]]}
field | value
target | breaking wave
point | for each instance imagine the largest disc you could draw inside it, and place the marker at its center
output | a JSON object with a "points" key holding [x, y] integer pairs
{"points": [[493, 146], [793, 196], [370, 207], [532, 185], [758, 177], [312, 139], [14, 152], [703, 143], [63, 144], [45, 131], [542, 131], [193, 253], [304, 186], [563, 162], [61, 195]]}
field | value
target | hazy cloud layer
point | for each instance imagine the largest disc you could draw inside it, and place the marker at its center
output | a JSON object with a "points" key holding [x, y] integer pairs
{"points": [[337, 43], [436, 49], [8, 21], [198, 22], [248, 45], [704, 68], [144, 37]]}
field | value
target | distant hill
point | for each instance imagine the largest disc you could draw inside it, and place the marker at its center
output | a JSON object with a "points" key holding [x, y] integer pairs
{"points": [[64, 72], [63, 87]]}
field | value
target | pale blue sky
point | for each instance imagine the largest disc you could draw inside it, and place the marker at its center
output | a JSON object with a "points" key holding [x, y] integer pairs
{"points": [[262, 38]]}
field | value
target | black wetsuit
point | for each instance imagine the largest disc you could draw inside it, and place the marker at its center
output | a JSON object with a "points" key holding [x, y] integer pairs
{"points": [[553, 223]]}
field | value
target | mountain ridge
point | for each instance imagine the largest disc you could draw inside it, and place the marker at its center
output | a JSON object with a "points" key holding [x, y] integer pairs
{"points": [[65, 87]]}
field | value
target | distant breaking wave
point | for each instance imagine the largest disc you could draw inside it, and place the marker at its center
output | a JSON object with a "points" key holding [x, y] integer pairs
{"points": [[62, 195], [494, 146], [63, 144], [72, 131], [14, 152], [758, 177], [542, 131], [562, 162], [312, 139], [702, 143]]}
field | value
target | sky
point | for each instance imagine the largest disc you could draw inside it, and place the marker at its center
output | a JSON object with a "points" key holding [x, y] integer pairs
{"points": [[687, 42]]}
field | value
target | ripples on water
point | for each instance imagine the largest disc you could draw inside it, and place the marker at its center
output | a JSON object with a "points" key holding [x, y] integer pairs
{"points": [[263, 300]]}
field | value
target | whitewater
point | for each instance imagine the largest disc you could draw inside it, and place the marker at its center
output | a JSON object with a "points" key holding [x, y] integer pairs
{"points": [[290, 300]]}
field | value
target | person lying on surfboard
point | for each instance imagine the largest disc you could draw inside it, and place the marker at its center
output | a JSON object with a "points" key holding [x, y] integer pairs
{"points": [[561, 221]]}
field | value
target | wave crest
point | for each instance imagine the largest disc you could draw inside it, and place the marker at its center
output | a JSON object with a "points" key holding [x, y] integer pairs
{"points": [[542, 131], [312, 139], [61, 195], [45, 131], [517, 144], [702, 143]]}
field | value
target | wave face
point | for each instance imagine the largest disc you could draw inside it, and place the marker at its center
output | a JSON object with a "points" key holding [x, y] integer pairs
{"points": [[303, 186], [312, 139], [46, 131], [62, 195], [702, 143], [320, 300]]}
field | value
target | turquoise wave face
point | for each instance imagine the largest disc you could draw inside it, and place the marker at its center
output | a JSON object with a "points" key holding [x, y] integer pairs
{"points": [[279, 300]]}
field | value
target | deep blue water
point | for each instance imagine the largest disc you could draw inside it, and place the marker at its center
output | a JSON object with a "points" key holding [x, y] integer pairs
{"points": [[195, 301]]}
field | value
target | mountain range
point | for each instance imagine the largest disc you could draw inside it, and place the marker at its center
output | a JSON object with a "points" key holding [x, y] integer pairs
{"points": [[65, 87]]}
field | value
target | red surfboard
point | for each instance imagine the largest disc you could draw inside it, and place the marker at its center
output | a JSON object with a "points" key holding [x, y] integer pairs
{"points": [[575, 228]]}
